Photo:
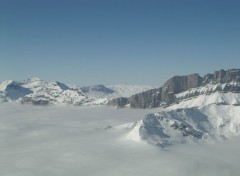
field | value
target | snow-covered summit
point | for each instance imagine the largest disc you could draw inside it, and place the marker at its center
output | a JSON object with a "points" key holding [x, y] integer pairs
{"points": [[201, 124], [33, 79], [12, 90], [201, 119], [52, 93], [40, 92], [193, 109]]}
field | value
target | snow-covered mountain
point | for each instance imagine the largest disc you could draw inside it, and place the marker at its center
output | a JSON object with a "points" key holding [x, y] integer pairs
{"points": [[191, 108], [39, 92], [52, 93], [12, 90], [114, 91], [205, 118], [179, 88]]}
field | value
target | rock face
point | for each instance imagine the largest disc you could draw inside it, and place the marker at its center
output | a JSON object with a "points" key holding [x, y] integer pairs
{"points": [[179, 84], [120, 102], [222, 76], [150, 98], [182, 87]]}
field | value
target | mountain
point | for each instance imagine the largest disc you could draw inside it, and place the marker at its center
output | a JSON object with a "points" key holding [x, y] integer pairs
{"points": [[11, 90], [114, 91], [39, 92], [203, 119], [191, 109], [207, 123], [52, 93], [179, 88]]}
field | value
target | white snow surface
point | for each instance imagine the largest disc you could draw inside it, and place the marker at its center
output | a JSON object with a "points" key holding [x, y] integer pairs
{"points": [[204, 118], [209, 88], [35, 90], [4, 84], [208, 99], [203, 124], [12, 91]]}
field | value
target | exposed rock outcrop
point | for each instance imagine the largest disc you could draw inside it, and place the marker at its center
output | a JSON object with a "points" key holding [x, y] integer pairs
{"points": [[182, 87], [151, 98], [178, 84], [119, 102], [222, 76]]}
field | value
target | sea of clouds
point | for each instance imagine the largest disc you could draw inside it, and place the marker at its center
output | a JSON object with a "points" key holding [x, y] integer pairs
{"points": [[70, 140]]}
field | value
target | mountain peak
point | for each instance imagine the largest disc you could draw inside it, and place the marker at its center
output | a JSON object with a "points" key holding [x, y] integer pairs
{"points": [[4, 84], [34, 79], [178, 88]]}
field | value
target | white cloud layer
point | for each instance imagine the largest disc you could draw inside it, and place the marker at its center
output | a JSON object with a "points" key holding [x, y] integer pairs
{"points": [[67, 140]]}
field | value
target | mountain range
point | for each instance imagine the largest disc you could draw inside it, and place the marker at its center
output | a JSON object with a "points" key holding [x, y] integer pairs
{"points": [[188, 108], [180, 88], [39, 92]]}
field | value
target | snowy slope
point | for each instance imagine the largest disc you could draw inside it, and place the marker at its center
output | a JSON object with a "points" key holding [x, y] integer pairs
{"points": [[203, 118], [52, 93], [208, 89], [11, 91], [186, 125], [39, 92], [218, 98]]}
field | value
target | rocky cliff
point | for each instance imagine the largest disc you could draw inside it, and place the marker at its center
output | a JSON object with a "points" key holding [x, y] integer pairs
{"points": [[178, 88]]}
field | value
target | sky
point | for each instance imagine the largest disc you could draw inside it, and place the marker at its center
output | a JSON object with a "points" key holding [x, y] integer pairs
{"points": [[88, 42]]}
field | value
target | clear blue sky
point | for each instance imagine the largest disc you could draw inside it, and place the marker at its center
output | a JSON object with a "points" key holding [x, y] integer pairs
{"points": [[117, 41]]}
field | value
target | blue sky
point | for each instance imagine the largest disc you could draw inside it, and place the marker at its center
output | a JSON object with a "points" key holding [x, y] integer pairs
{"points": [[117, 41]]}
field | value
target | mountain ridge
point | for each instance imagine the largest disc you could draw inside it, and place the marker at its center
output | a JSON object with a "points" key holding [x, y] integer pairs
{"points": [[39, 92], [193, 124], [166, 95]]}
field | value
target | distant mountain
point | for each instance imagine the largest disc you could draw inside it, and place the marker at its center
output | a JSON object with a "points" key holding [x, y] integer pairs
{"points": [[114, 91], [179, 88], [11, 90], [97, 91], [190, 108], [39, 92]]}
